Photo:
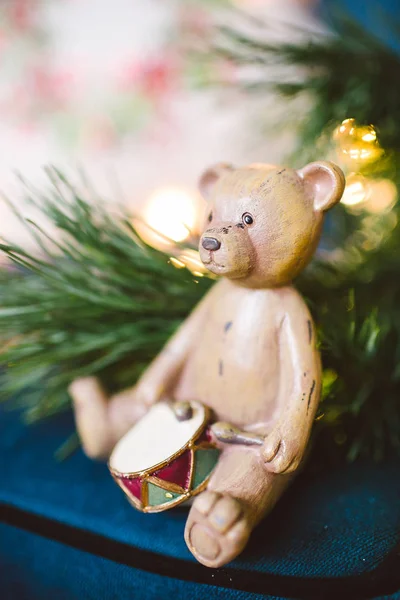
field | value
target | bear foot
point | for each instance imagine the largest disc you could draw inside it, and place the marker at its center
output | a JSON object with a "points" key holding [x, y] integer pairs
{"points": [[92, 417], [217, 529]]}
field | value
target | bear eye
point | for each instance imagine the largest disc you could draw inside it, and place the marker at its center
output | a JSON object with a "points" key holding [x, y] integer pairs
{"points": [[247, 219], [210, 216]]}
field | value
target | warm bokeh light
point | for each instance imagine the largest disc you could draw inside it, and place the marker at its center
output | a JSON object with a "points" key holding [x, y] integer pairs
{"points": [[383, 196], [369, 137], [358, 153], [345, 128], [171, 211], [357, 143], [357, 190], [176, 262], [191, 259], [375, 196], [169, 217]]}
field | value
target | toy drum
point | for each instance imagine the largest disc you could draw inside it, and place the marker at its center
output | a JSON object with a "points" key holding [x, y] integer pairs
{"points": [[162, 462]]}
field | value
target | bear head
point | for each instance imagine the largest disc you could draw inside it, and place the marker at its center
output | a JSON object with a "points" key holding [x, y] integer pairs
{"points": [[263, 222]]}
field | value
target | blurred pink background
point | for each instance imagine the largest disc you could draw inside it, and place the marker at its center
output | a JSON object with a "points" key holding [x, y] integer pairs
{"points": [[107, 87]]}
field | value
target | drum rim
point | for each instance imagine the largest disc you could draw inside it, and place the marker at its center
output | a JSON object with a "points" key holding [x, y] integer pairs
{"points": [[166, 461], [145, 475]]}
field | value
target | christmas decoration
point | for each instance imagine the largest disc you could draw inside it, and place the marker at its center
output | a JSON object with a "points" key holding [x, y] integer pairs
{"points": [[248, 351]]}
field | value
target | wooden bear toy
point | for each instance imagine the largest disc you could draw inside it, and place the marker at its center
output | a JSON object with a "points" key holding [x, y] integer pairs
{"points": [[248, 350]]}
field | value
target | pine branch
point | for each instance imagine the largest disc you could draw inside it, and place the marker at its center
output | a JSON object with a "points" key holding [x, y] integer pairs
{"points": [[349, 74], [96, 301]]}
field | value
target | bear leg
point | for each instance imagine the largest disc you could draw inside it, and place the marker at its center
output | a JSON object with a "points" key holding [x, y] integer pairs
{"points": [[102, 421], [240, 493]]}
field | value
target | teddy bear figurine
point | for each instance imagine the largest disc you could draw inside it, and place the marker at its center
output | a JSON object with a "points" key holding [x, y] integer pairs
{"points": [[247, 351]]}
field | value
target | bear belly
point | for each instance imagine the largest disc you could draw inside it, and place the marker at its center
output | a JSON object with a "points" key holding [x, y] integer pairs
{"points": [[236, 373]]}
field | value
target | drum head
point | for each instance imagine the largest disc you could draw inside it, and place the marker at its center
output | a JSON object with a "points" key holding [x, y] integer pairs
{"points": [[155, 438]]}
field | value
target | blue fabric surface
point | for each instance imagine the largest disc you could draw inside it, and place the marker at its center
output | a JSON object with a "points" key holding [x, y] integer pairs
{"points": [[35, 569], [338, 524], [342, 523]]}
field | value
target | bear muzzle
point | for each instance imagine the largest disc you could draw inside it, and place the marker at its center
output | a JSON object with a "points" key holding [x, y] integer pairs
{"points": [[227, 250]]}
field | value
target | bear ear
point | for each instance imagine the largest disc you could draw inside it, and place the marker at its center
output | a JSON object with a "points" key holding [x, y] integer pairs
{"points": [[210, 178], [326, 183]]}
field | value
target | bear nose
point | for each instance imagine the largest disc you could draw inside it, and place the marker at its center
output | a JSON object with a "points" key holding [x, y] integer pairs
{"points": [[210, 243]]}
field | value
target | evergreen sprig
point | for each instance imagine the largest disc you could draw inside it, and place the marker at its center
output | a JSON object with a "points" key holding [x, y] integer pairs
{"points": [[346, 74], [94, 300]]}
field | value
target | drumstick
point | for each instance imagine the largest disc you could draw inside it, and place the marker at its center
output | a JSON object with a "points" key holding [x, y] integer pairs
{"points": [[229, 434], [224, 432]]}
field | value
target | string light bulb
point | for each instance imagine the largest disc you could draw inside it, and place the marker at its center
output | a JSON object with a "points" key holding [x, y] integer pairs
{"points": [[172, 212], [169, 216], [357, 145]]}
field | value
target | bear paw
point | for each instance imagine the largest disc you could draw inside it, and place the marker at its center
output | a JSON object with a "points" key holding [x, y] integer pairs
{"points": [[217, 529]]}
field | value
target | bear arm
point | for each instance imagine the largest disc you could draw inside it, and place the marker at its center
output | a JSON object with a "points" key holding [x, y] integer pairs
{"points": [[163, 371], [300, 371]]}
